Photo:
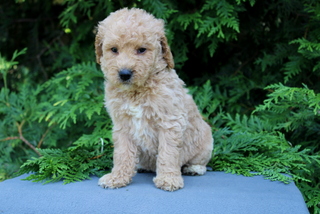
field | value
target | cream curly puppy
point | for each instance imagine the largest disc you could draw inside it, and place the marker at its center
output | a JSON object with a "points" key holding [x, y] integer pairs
{"points": [[157, 126]]}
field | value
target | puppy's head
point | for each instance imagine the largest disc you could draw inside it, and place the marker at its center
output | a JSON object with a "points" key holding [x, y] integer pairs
{"points": [[131, 47]]}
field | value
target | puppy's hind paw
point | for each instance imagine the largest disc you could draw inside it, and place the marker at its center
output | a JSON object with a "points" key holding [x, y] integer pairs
{"points": [[194, 170]]}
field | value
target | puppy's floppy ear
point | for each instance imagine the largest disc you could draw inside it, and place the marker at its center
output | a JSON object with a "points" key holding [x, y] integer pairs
{"points": [[166, 52], [98, 45]]}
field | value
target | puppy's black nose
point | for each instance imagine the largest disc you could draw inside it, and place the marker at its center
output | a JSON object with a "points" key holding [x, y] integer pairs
{"points": [[125, 74]]}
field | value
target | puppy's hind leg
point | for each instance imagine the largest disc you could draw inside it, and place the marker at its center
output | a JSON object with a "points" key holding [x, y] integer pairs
{"points": [[194, 169], [197, 165]]}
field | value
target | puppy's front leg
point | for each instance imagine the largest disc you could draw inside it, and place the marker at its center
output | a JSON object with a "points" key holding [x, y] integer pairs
{"points": [[124, 160], [168, 161]]}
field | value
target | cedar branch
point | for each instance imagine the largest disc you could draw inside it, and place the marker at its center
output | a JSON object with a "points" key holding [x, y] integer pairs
{"points": [[21, 137], [44, 135]]}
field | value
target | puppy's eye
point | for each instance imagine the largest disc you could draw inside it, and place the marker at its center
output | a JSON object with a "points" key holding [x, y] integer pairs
{"points": [[114, 50], [141, 50]]}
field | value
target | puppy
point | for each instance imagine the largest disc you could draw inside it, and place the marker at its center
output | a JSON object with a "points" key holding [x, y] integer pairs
{"points": [[157, 125]]}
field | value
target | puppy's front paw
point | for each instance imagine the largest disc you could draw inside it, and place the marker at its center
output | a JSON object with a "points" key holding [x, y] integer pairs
{"points": [[168, 182], [113, 181]]}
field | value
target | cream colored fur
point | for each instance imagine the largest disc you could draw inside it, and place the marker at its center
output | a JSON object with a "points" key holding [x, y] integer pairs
{"points": [[156, 122]]}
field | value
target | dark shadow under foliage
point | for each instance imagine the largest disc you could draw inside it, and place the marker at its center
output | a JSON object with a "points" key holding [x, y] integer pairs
{"points": [[252, 66]]}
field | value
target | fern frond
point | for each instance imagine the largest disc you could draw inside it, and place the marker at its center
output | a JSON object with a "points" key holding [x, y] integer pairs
{"points": [[158, 8], [292, 68], [75, 164], [186, 19], [252, 2]]}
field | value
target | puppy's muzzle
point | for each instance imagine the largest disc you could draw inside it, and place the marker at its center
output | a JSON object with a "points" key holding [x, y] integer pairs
{"points": [[125, 75]]}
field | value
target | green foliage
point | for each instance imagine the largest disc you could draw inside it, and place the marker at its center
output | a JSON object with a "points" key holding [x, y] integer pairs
{"points": [[256, 143], [85, 158], [295, 112], [76, 100], [278, 139], [79, 91], [47, 120], [17, 110], [262, 98]]}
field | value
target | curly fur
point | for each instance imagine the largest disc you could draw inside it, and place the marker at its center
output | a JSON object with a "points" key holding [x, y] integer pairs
{"points": [[157, 125]]}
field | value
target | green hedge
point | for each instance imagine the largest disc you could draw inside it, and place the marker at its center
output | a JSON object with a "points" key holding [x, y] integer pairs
{"points": [[256, 82]]}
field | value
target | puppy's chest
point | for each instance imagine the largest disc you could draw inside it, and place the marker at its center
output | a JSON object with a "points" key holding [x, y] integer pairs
{"points": [[142, 123]]}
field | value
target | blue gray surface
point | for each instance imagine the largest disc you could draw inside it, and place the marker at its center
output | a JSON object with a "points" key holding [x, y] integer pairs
{"points": [[215, 192]]}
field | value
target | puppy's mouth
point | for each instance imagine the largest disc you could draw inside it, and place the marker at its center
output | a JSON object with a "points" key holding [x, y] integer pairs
{"points": [[125, 75]]}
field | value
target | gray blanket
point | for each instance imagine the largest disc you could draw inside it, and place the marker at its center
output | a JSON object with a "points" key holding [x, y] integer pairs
{"points": [[215, 192]]}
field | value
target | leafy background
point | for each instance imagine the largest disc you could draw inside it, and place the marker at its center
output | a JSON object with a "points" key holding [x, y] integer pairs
{"points": [[253, 68]]}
